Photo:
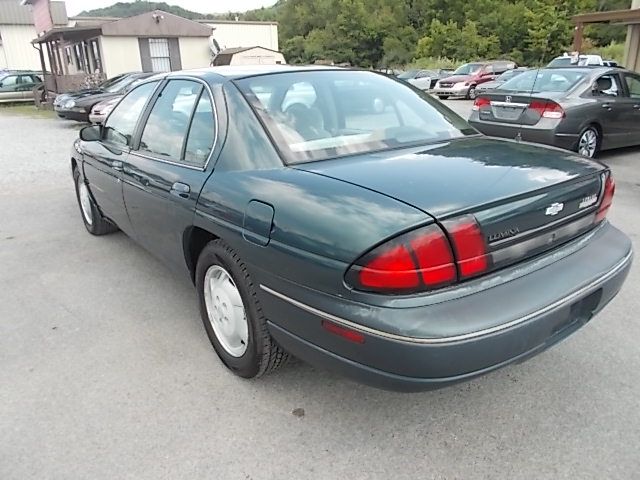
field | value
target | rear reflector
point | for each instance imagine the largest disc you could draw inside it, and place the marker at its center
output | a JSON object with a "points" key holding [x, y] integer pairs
{"points": [[547, 109], [469, 246], [344, 332], [607, 198], [479, 103]]}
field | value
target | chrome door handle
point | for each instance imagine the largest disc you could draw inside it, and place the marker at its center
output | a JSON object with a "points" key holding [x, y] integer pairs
{"points": [[117, 165], [180, 190], [607, 106], [637, 106]]}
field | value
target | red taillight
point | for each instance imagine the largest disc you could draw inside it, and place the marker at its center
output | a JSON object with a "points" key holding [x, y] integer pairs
{"points": [[607, 198], [469, 246], [416, 261], [390, 268], [547, 109], [480, 102]]}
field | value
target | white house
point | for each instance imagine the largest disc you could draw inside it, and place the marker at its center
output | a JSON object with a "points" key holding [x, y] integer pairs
{"points": [[17, 30]]}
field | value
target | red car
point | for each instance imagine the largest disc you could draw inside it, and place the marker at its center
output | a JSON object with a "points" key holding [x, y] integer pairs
{"points": [[464, 80]]}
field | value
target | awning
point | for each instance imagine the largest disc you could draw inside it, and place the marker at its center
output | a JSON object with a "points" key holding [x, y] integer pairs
{"points": [[72, 34]]}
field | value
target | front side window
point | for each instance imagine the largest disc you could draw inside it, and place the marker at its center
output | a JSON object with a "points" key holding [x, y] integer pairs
{"points": [[168, 124], [320, 115], [633, 84], [121, 124]]}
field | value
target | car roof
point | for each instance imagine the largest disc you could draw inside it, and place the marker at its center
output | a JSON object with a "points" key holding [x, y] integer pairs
{"points": [[234, 72]]}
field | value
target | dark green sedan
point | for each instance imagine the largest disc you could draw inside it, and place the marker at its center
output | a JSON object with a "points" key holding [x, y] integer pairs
{"points": [[348, 219]]}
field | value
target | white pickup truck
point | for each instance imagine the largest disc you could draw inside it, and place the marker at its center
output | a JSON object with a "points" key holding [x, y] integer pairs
{"points": [[581, 60]]}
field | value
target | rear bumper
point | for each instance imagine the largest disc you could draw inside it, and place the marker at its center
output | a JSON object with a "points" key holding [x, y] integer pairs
{"points": [[484, 327], [545, 134]]}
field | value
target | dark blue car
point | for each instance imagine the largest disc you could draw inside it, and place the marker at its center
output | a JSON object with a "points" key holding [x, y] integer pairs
{"points": [[347, 218]]}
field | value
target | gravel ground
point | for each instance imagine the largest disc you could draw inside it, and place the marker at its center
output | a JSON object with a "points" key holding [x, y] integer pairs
{"points": [[106, 371]]}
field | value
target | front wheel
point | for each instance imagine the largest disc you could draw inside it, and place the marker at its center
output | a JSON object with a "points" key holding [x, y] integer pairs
{"points": [[589, 142], [443, 97], [471, 93], [232, 314], [93, 220]]}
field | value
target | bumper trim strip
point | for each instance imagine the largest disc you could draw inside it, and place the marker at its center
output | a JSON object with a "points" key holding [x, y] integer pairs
{"points": [[455, 338]]}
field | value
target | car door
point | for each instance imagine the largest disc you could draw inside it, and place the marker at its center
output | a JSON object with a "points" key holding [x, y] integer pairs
{"points": [[423, 80], [609, 110], [166, 169], [632, 84], [9, 89], [104, 160]]}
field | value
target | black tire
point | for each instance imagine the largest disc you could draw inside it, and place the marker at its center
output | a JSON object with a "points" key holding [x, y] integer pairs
{"points": [[263, 355], [98, 224], [471, 93], [443, 97], [591, 129]]}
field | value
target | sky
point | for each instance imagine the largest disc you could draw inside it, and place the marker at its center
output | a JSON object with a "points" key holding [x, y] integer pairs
{"points": [[203, 6]]}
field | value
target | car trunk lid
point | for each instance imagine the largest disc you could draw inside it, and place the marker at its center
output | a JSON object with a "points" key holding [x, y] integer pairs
{"points": [[526, 199]]}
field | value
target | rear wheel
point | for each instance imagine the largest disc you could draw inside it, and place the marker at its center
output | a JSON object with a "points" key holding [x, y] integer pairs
{"points": [[589, 142], [93, 220], [232, 314]]}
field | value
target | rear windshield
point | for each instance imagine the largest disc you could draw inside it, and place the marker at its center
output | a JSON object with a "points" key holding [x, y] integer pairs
{"points": [[553, 80], [327, 114]]}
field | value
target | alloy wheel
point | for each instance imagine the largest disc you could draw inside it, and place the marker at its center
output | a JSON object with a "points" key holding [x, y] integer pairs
{"points": [[588, 143]]}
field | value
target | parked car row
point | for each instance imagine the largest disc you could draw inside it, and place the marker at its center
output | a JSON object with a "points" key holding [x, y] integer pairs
{"points": [[80, 105]]}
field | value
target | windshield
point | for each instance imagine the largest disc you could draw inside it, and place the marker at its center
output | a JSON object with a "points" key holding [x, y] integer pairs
{"points": [[409, 74], [320, 115], [551, 80], [468, 69], [120, 85], [111, 81]]}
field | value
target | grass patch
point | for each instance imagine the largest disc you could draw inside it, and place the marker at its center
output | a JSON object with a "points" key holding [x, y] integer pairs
{"points": [[25, 110]]}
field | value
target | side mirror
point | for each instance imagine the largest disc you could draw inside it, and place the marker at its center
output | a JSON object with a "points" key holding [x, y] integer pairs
{"points": [[92, 133]]}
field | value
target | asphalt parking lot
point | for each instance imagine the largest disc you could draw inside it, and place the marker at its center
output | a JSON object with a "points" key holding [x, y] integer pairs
{"points": [[106, 371]]}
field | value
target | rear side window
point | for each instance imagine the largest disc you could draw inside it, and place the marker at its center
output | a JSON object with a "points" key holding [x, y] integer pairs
{"points": [[168, 123], [121, 124], [201, 133], [546, 80], [633, 84]]}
